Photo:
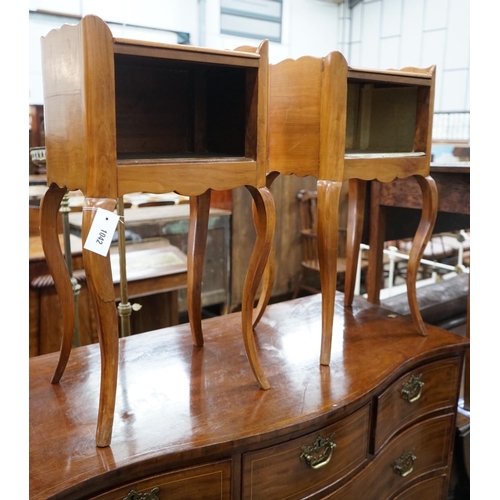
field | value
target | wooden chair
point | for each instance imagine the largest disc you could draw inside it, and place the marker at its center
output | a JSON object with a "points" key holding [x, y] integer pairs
{"points": [[308, 213], [148, 117], [159, 203], [337, 124]]}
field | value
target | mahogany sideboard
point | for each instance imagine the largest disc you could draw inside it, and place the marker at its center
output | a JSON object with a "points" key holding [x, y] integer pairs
{"points": [[378, 423]]}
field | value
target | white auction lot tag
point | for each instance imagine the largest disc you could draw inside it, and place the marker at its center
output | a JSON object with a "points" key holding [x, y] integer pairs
{"points": [[101, 232]]}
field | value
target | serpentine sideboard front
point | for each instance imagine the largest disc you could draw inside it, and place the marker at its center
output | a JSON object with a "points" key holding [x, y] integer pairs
{"points": [[378, 423]]}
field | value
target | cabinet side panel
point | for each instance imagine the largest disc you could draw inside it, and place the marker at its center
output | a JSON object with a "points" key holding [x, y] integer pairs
{"points": [[99, 108], [63, 114], [294, 116]]}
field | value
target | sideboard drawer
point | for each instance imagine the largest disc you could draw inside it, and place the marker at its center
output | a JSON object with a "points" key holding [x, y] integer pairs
{"points": [[419, 450], [430, 489], [204, 482], [431, 387], [307, 464]]}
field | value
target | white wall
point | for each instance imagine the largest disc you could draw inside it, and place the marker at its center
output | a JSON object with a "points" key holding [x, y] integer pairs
{"points": [[375, 33], [398, 33]]}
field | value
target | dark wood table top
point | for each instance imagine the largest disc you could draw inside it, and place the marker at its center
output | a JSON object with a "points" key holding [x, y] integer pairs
{"points": [[177, 402], [459, 167]]}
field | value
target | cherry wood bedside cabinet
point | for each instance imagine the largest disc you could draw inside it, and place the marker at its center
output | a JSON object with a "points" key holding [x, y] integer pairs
{"points": [[337, 124], [127, 116]]}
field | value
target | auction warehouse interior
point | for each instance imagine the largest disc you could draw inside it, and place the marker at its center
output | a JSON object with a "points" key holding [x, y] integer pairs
{"points": [[249, 249]]}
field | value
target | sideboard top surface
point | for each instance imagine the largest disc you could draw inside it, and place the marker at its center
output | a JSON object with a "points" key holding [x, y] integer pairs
{"points": [[177, 403]]}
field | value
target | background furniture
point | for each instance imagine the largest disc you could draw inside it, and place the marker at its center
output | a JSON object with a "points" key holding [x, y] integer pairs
{"points": [[182, 430], [157, 272], [172, 222], [140, 116], [308, 214], [394, 207]]}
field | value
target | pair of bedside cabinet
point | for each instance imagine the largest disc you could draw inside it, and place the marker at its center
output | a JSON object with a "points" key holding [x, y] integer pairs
{"points": [[126, 116]]}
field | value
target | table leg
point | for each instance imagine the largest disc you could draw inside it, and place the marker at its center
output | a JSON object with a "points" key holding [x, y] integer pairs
{"points": [[100, 283], [328, 229], [199, 212], [467, 358], [355, 217], [265, 221], [422, 237], [49, 208]]}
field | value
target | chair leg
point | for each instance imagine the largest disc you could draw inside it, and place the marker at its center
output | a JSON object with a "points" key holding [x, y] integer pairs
{"points": [[328, 210], [100, 282], [422, 237], [197, 243], [265, 221], [49, 208], [355, 217], [298, 286]]}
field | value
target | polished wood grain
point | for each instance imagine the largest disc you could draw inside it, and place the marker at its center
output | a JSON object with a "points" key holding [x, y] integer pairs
{"points": [[179, 405], [275, 471], [136, 116], [430, 442], [438, 391]]}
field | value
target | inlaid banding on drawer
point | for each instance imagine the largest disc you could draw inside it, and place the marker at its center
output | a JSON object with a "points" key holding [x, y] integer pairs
{"points": [[213, 479], [429, 442], [279, 472], [421, 391]]}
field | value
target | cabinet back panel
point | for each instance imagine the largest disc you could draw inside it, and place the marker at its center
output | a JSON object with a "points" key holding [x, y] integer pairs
{"points": [[381, 119], [173, 108]]}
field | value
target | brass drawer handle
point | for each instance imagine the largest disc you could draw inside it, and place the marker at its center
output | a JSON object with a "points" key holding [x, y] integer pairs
{"points": [[412, 390], [319, 453], [134, 495], [404, 464]]}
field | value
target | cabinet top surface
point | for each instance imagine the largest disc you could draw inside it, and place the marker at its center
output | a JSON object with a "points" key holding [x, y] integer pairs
{"points": [[412, 76], [177, 402], [125, 44]]}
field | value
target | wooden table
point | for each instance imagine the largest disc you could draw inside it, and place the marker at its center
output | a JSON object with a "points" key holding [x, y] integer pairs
{"points": [[172, 222], [394, 211], [191, 421], [156, 273]]}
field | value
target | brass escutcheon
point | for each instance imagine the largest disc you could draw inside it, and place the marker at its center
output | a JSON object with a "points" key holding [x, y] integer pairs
{"points": [[412, 390], [319, 453]]}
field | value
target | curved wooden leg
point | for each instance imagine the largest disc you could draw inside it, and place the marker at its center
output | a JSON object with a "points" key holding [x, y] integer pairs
{"points": [[270, 270], [100, 282], [328, 228], [265, 221], [422, 237], [199, 212], [49, 208], [355, 217]]}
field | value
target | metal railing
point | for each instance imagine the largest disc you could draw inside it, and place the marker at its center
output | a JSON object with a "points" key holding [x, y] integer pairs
{"points": [[451, 126]]}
